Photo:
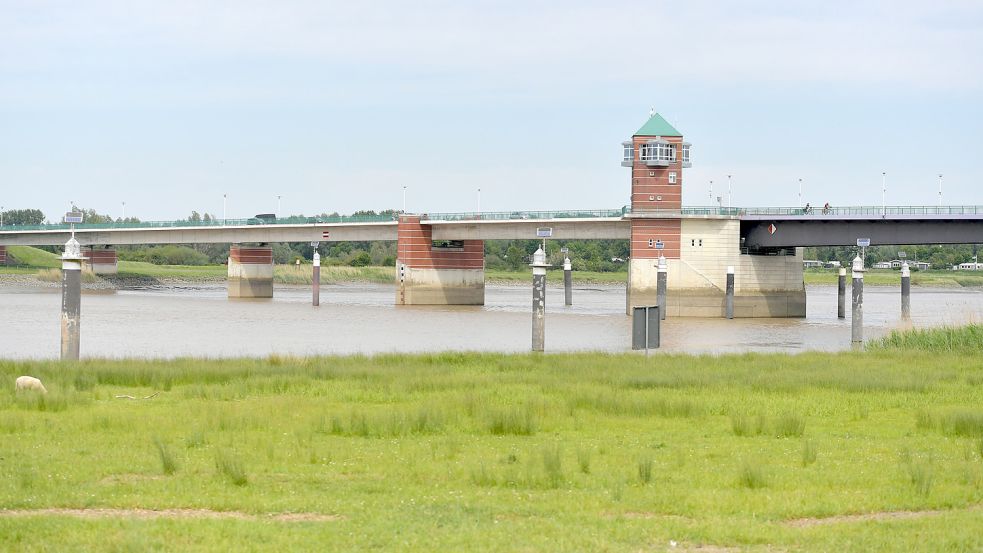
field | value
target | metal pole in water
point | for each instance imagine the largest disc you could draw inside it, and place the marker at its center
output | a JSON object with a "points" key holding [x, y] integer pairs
{"points": [[841, 295], [71, 299], [730, 293], [539, 300], [858, 303], [567, 282], [660, 287], [905, 291], [317, 279]]}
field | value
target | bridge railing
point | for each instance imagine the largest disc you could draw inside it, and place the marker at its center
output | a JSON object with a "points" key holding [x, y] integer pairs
{"points": [[210, 223], [854, 211], [527, 215]]}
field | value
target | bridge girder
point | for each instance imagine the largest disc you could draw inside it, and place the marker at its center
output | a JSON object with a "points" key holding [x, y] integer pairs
{"points": [[822, 232]]}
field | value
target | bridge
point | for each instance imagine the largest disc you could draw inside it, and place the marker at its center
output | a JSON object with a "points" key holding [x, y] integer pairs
{"points": [[440, 256], [761, 227]]}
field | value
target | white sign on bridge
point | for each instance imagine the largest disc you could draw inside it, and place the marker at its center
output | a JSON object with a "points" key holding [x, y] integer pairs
{"points": [[863, 242]]}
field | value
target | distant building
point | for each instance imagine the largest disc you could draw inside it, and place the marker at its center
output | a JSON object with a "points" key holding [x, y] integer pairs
{"points": [[833, 264], [969, 267], [812, 264], [882, 265]]}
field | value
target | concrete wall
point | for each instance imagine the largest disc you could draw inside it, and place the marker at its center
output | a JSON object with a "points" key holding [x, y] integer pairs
{"points": [[428, 275], [250, 272], [765, 286]]}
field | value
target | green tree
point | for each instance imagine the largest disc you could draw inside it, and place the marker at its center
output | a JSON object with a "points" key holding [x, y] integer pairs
{"points": [[23, 217]]}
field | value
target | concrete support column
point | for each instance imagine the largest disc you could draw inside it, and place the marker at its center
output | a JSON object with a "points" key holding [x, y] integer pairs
{"points": [[539, 300], [101, 261], [660, 286], [857, 334], [447, 273], [71, 300], [729, 300], [841, 295], [316, 280], [905, 291], [567, 282], [250, 272]]}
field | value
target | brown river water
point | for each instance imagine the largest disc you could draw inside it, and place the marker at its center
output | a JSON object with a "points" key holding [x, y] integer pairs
{"points": [[199, 321]]}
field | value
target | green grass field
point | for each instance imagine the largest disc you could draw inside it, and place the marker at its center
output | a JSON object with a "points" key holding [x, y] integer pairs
{"points": [[889, 277], [881, 450]]}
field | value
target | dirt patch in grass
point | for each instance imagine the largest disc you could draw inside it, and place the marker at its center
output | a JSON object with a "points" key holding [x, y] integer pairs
{"points": [[861, 517], [149, 514]]}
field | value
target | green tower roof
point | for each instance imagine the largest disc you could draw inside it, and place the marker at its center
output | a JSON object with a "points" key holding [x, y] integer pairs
{"points": [[657, 126]]}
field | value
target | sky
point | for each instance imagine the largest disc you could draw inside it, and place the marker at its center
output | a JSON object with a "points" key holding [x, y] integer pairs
{"points": [[337, 106]]}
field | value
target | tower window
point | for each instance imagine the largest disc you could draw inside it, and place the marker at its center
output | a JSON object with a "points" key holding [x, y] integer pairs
{"points": [[658, 153], [628, 156], [685, 154], [672, 177]]}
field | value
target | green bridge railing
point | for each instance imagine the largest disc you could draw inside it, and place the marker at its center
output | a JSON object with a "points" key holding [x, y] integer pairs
{"points": [[833, 212]]}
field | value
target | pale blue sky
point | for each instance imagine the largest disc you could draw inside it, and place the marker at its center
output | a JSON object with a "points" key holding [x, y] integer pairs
{"points": [[337, 106]]}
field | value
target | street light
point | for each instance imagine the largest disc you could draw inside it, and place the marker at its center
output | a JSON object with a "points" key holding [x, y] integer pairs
{"points": [[884, 193], [710, 194], [1, 215], [940, 189], [800, 191], [124, 211], [479, 201], [278, 206], [729, 192], [224, 212], [404, 199]]}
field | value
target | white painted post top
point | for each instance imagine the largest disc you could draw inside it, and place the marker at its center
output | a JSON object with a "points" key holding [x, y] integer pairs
{"points": [[842, 271], [317, 259], [72, 249], [905, 270], [730, 269], [662, 264], [567, 266], [858, 266]]}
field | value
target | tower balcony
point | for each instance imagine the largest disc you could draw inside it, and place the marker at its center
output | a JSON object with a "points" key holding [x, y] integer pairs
{"points": [[628, 158]]}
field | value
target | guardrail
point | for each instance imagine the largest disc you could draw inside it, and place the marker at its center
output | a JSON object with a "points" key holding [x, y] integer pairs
{"points": [[832, 212]]}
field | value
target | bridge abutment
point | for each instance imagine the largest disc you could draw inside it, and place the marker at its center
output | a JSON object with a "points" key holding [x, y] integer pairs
{"points": [[698, 255], [250, 272], [450, 272], [101, 261]]}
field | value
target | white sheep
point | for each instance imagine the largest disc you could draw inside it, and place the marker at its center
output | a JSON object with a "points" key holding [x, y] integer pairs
{"points": [[29, 383]]}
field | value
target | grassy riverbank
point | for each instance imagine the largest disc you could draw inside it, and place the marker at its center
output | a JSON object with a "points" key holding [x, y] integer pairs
{"points": [[889, 277], [34, 261], [881, 450]]}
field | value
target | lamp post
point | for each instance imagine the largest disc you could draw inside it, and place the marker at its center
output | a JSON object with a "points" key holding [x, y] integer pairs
{"points": [[884, 193], [729, 192], [710, 194], [224, 213], [800, 191], [940, 189], [1, 215], [124, 212], [278, 206], [478, 210], [404, 199]]}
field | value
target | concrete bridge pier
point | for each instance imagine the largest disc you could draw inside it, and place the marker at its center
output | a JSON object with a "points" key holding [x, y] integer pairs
{"points": [[447, 272], [101, 261], [250, 272]]}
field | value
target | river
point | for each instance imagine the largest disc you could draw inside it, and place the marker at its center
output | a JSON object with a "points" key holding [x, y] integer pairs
{"points": [[199, 321]]}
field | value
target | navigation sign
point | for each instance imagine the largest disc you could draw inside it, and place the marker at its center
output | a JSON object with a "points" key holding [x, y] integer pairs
{"points": [[73, 217], [544, 232], [902, 255], [863, 242], [772, 228], [564, 250], [659, 245], [326, 234], [315, 244]]}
